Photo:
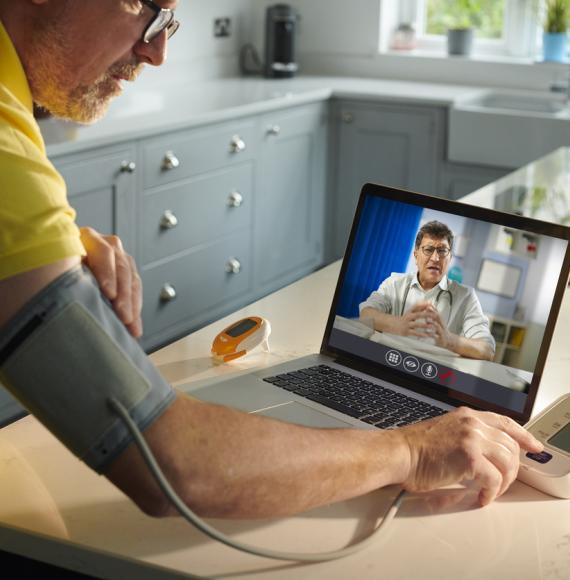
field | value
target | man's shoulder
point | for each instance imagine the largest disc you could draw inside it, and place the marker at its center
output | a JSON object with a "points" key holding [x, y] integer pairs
{"points": [[460, 289]]}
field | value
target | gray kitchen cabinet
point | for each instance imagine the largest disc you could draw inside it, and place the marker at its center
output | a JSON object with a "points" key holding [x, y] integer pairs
{"points": [[194, 225], [390, 144], [458, 180], [290, 195], [101, 187]]}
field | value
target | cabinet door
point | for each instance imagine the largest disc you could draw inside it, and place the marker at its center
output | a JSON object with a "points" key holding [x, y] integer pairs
{"points": [[459, 180], [393, 145], [290, 195], [101, 188]]}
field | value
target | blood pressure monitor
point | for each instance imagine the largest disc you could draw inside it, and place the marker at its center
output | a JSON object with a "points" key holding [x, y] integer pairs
{"points": [[240, 338], [549, 471]]}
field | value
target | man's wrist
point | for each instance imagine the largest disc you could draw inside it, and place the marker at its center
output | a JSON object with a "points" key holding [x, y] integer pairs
{"points": [[396, 453]]}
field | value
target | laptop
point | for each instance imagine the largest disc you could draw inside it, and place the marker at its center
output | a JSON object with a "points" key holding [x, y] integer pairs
{"points": [[362, 377]]}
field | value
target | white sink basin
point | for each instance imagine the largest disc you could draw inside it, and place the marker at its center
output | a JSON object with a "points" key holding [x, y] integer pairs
{"points": [[539, 102], [507, 129]]}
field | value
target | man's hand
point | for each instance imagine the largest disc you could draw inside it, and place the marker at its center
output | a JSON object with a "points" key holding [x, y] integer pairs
{"points": [[437, 329], [117, 276], [466, 445], [415, 322]]}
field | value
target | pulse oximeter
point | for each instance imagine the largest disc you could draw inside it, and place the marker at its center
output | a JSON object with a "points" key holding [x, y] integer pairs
{"points": [[240, 338], [549, 471]]}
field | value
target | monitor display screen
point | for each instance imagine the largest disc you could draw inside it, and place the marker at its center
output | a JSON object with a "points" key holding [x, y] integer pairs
{"points": [[457, 304]]}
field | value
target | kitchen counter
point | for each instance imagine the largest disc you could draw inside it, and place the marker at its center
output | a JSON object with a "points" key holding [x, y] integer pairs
{"points": [[142, 112]]}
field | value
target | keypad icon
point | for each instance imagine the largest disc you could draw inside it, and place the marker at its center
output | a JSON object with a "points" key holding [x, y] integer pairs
{"points": [[394, 358]]}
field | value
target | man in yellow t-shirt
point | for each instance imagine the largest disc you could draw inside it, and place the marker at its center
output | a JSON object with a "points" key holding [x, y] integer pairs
{"points": [[71, 57]]}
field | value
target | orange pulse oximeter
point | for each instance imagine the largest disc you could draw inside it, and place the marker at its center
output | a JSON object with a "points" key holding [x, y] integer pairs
{"points": [[241, 337]]}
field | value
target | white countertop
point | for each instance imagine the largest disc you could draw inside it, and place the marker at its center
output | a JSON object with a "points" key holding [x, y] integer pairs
{"points": [[142, 112], [539, 190]]}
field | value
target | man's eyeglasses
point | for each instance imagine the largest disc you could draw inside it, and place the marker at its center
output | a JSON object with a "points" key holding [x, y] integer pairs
{"points": [[442, 251], [163, 20]]}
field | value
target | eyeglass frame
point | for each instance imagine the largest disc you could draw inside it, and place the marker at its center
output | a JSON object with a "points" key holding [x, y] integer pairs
{"points": [[172, 23], [439, 251]]}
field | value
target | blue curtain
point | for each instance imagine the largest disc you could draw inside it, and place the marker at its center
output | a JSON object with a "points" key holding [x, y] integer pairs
{"points": [[384, 241]]}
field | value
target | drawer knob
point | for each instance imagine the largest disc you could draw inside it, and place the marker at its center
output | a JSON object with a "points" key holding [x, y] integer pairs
{"points": [[170, 161], [168, 293], [233, 266], [274, 130], [347, 118], [168, 221], [235, 199], [128, 167], [237, 144]]}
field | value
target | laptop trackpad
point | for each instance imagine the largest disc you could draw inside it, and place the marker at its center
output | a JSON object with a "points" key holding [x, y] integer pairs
{"points": [[301, 414]]}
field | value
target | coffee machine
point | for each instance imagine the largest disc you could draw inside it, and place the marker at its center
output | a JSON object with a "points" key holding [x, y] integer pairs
{"points": [[280, 29]]}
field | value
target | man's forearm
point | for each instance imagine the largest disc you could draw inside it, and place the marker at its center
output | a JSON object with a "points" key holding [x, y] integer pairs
{"points": [[471, 348], [382, 321], [225, 463]]}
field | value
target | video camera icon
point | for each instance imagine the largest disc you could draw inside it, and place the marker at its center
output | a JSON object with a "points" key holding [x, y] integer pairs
{"points": [[411, 364]]}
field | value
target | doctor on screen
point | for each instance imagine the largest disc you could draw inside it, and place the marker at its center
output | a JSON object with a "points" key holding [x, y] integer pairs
{"points": [[427, 305]]}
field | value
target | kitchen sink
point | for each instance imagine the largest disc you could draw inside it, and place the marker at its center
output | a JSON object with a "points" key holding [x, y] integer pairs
{"points": [[548, 103], [507, 128]]}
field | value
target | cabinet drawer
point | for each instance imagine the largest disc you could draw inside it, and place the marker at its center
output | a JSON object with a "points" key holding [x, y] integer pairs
{"points": [[182, 155], [201, 283], [195, 212]]}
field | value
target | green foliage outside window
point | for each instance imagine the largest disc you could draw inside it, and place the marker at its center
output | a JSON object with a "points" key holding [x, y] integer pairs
{"points": [[487, 16], [557, 16]]}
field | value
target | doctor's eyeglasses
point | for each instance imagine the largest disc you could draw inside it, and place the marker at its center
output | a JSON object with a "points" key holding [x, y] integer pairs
{"points": [[163, 20], [442, 251]]}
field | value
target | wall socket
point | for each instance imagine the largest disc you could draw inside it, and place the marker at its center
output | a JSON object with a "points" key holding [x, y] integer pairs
{"points": [[222, 27]]}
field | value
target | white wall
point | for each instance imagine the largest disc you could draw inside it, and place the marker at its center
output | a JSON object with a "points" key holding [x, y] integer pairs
{"points": [[336, 37], [194, 53], [332, 27], [342, 37]]}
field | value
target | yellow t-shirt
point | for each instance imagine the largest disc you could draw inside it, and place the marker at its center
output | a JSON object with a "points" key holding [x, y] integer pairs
{"points": [[37, 224]]}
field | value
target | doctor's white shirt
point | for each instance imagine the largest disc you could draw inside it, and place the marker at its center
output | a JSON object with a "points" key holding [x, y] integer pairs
{"points": [[457, 304]]}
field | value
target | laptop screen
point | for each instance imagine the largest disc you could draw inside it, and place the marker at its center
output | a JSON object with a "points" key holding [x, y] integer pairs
{"points": [[450, 300]]}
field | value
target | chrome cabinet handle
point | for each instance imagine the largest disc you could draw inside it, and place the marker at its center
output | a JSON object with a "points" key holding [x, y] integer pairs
{"points": [[168, 221], [233, 266], [168, 293], [170, 161], [235, 199], [128, 167], [237, 144], [274, 130], [347, 118]]}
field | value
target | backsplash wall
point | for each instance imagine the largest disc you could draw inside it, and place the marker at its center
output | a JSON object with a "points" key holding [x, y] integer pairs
{"points": [[194, 53]]}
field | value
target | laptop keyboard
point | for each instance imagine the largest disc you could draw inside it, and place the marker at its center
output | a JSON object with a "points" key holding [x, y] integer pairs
{"points": [[358, 398]]}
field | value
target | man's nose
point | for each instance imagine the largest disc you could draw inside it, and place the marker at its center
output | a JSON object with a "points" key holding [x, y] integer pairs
{"points": [[153, 52], [435, 257]]}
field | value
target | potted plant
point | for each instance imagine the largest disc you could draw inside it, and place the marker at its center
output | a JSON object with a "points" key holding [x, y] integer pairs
{"points": [[554, 38], [463, 16]]}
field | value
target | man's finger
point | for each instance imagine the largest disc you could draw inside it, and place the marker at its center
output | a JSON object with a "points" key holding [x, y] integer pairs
{"points": [[489, 479], [101, 261], [123, 301], [523, 437]]}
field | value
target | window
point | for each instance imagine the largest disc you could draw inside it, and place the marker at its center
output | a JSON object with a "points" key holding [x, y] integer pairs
{"points": [[503, 27]]}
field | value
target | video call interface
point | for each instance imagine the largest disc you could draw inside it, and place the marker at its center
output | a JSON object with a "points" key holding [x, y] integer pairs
{"points": [[493, 286]]}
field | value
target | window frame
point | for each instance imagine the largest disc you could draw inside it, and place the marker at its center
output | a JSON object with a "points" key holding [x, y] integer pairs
{"points": [[520, 31]]}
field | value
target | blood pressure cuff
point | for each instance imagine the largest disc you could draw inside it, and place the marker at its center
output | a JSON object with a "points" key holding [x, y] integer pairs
{"points": [[65, 354]]}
